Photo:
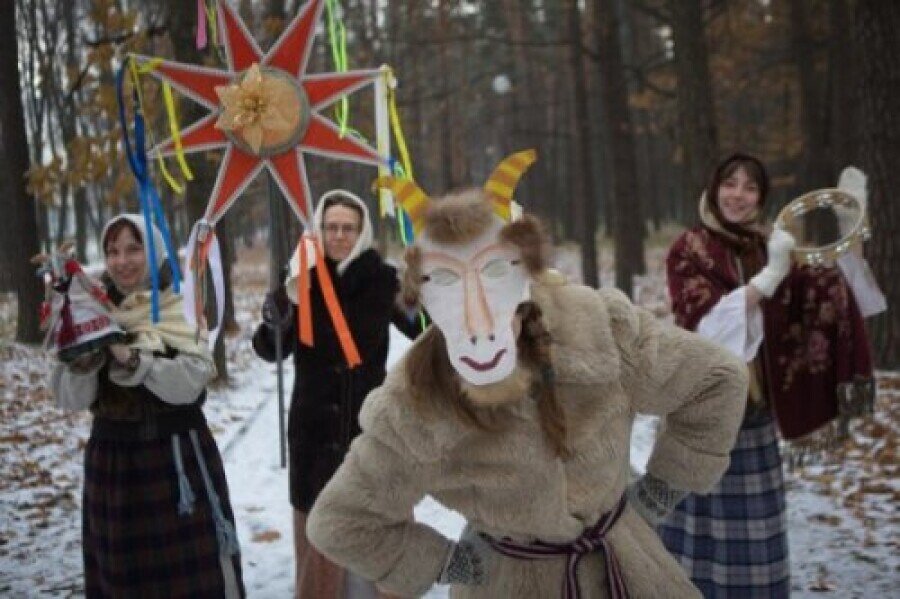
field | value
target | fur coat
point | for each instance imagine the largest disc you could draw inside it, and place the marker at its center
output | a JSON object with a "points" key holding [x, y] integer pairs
{"points": [[611, 360]]}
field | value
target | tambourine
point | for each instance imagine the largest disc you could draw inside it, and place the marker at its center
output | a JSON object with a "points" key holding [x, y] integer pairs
{"points": [[826, 224]]}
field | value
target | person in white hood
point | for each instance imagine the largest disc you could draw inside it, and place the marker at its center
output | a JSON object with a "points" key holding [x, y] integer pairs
{"points": [[157, 520], [327, 393]]}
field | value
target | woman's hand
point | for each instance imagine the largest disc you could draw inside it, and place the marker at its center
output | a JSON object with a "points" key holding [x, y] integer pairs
{"points": [[276, 309], [121, 353], [126, 357], [769, 278]]}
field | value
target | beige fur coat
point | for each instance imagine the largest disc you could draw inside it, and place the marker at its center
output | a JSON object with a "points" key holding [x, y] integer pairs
{"points": [[611, 360]]}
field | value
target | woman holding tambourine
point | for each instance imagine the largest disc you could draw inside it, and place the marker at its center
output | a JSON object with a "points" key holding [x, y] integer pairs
{"points": [[800, 329]]}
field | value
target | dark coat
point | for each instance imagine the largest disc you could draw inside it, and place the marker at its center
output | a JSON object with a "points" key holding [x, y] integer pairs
{"points": [[327, 396]]}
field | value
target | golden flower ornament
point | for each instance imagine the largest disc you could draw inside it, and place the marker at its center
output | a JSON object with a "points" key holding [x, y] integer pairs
{"points": [[263, 111]]}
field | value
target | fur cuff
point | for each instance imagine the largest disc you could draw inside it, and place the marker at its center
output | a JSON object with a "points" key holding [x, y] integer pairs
{"points": [[684, 467]]}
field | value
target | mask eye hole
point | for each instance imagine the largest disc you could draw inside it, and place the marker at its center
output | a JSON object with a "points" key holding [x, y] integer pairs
{"points": [[496, 268], [442, 277]]}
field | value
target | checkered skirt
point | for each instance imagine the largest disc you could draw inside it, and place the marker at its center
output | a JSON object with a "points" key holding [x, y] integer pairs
{"points": [[135, 543], [733, 542]]}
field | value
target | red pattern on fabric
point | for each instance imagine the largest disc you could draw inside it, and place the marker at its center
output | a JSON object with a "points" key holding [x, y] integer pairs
{"points": [[72, 267], [45, 313], [65, 336]]}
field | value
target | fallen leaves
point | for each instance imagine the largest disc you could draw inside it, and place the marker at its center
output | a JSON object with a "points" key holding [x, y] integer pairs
{"points": [[821, 584], [266, 536], [829, 519], [860, 478]]}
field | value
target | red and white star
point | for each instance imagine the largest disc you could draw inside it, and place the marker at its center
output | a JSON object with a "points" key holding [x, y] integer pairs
{"points": [[285, 62]]}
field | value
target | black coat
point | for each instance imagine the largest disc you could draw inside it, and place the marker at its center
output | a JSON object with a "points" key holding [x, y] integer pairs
{"points": [[327, 396]]}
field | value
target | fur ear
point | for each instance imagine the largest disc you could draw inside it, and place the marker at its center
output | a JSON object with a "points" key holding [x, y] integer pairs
{"points": [[528, 233], [411, 281], [458, 218]]}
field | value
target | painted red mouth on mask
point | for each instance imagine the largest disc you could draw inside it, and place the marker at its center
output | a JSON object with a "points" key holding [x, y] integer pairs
{"points": [[482, 366]]}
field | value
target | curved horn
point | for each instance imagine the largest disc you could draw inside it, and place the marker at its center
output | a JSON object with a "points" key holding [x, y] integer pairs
{"points": [[502, 182], [410, 196]]}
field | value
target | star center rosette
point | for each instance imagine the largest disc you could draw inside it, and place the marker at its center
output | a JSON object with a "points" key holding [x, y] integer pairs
{"points": [[264, 111]]}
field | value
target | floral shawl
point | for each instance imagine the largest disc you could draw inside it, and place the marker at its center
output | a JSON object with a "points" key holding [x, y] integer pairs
{"points": [[815, 346]]}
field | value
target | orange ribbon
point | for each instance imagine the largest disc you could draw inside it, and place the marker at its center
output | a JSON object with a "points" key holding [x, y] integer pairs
{"points": [[304, 308], [198, 265]]}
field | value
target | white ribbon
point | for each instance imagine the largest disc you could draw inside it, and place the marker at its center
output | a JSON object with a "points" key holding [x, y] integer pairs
{"points": [[214, 260], [383, 136]]}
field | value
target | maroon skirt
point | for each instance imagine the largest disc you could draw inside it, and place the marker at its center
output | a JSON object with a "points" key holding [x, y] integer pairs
{"points": [[135, 541]]}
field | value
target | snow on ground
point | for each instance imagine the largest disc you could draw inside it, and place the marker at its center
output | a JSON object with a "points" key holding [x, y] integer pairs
{"points": [[842, 507]]}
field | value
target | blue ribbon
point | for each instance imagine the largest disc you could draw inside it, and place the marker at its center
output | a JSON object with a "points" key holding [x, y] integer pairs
{"points": [[405, 222], [407, 225], [151, 205]]}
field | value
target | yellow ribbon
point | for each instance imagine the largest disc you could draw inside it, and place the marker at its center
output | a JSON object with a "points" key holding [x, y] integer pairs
{"points": [[213, 27], [395, 124], [136, 71], [175, 131]]}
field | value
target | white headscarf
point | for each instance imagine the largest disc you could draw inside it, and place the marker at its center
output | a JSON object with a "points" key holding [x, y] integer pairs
{"points": [[138, 221], [133, 313], [363, 242]]}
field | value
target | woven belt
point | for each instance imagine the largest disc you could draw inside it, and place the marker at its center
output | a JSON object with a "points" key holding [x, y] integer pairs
{"points": [[591, 540]]}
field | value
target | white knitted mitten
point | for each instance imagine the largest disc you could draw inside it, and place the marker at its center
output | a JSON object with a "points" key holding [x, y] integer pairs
{"points": [[770, 277]]}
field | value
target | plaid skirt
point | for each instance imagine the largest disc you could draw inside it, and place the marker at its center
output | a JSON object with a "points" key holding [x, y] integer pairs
{"points": [[136, 543], [733, 542]]}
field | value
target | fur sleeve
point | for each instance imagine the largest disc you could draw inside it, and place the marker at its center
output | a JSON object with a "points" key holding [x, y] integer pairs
{"points": [[363, 519], [696, 387]]}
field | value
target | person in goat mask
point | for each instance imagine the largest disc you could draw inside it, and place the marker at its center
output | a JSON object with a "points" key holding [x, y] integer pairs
{"points": [[515, 409]]}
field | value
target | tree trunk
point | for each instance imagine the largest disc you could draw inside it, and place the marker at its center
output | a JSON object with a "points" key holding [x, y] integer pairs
{"points": [[68, 122], [814, 168], [628, 230], [585, 206], [841, 61], [18, 227], [696, 116], [446, 114], [875, 36]]}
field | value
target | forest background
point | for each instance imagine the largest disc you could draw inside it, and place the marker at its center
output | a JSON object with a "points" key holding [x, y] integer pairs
{"points": [[629, 104]]}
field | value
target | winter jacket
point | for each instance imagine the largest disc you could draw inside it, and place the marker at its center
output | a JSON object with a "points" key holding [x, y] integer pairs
{"points": [[611, 361], [327, 396]]}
